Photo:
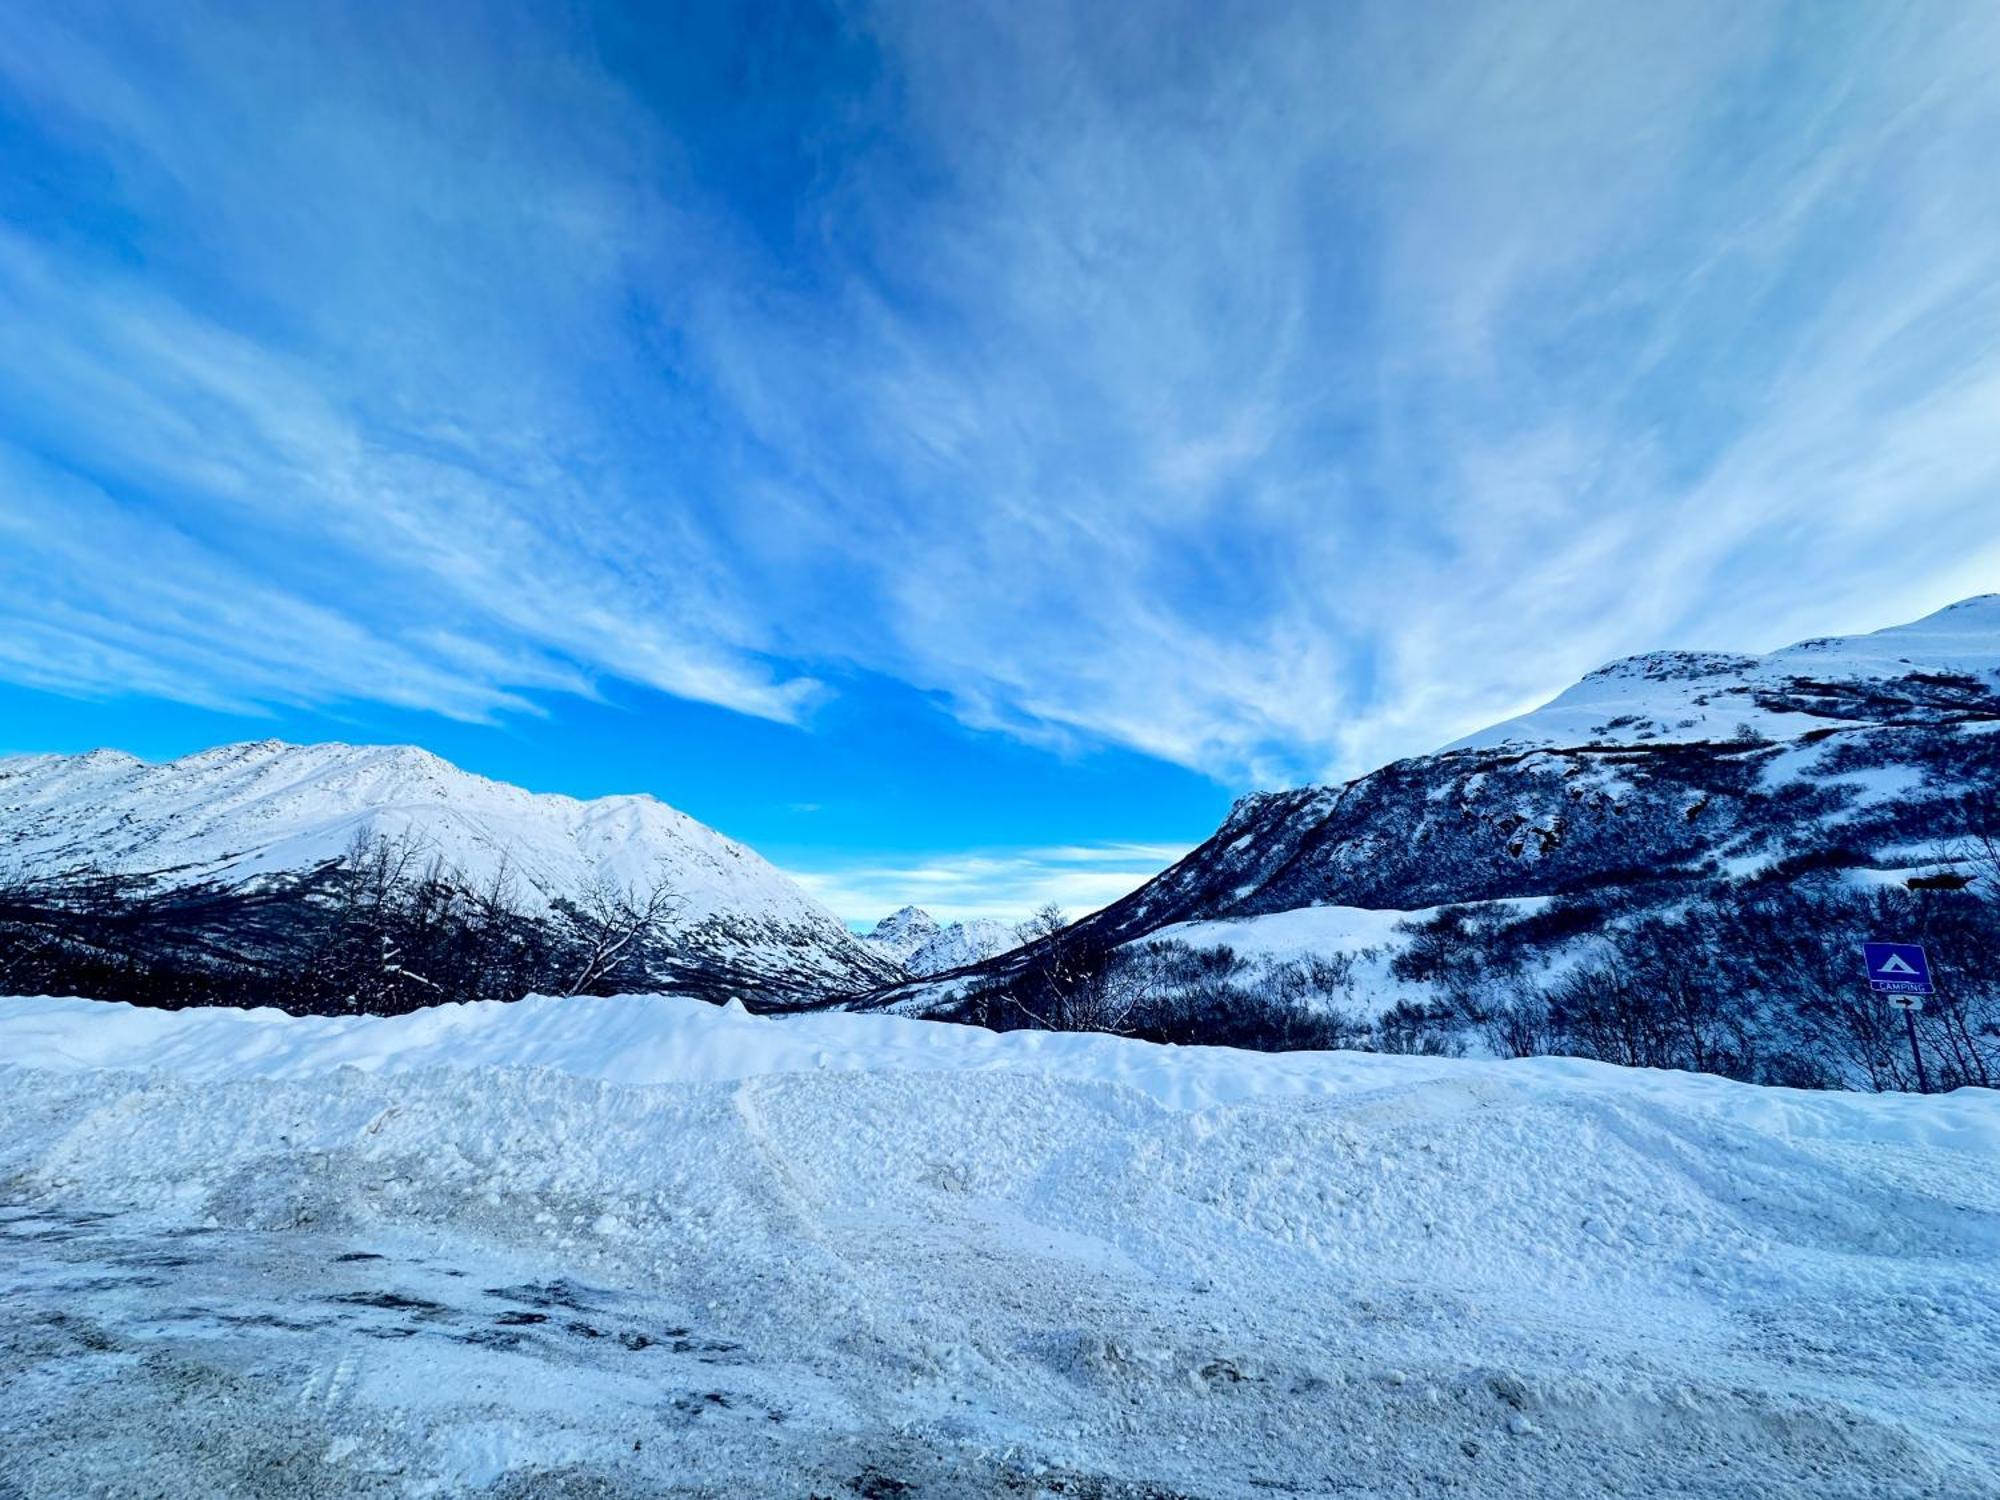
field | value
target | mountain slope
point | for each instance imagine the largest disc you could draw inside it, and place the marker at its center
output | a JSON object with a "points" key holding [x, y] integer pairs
{"points": [[1876, 748], [264, 817], [1934, 669], [1661, 785]]}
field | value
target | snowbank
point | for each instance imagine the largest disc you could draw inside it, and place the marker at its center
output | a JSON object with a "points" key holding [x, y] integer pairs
{"points": [[640, 1246], [667, 1039]]}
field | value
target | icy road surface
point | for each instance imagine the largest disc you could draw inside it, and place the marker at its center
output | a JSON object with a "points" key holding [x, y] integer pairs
{"points": [[692, 1252]]}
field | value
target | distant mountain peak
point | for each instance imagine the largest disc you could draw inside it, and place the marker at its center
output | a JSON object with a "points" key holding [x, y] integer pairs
{"points": [[912, 938], [906, 919]]}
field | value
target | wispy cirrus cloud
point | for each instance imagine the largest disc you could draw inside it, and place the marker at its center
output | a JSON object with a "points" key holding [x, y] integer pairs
{"points": [[1352, 383], [385, 415], [1269, 389], [107, 601]]}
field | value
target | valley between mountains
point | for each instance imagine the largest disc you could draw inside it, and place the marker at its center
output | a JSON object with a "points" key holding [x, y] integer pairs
{"points": [[1671, 864]]}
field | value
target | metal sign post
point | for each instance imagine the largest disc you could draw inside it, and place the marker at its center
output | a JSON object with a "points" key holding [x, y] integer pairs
{"points": [[1901, 972]]}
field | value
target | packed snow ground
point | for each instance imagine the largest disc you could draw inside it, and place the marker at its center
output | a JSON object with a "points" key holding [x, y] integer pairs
{"points": [[641, 1247]]}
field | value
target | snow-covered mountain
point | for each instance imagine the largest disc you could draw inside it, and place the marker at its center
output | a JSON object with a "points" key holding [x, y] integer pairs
{"points": [[1752, 804], [1863, 740], [914, 940], [259, 816], [1941, 666], [1875, 747]]}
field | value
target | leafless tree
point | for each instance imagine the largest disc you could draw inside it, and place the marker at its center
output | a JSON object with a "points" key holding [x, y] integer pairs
{"points": [[1046, 922], [31, 928], [1979, 857], [1074, 982], [614, 927]]}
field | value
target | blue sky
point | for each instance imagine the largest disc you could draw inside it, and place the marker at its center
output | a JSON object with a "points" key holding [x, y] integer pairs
{"points": [[957, 448]]}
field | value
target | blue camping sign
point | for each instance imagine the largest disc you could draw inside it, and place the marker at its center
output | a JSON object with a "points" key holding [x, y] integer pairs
{"points": [[1898, 969]]}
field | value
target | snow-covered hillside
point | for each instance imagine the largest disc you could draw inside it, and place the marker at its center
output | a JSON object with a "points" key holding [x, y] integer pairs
{"points": [[1672, 814], [1938, 666], [914, 940], [639, 1247], [263, 813], [1887, 734]]}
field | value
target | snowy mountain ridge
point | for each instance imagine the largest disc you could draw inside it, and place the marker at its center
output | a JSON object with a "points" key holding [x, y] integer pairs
{"points": [[263, 813], [913, 939], [1943, 664], [1530, 804]]}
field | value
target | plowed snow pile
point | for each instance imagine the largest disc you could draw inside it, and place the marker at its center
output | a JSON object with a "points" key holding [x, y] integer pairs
{"points": [[644, 1247]]}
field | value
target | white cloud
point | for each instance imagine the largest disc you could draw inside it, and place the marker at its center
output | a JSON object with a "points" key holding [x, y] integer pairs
{"points": [[1273, 391], [1312, 397], [429, 541]]}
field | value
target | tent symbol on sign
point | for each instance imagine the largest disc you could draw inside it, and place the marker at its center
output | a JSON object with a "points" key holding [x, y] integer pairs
{"points": [[1897, 969]]}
